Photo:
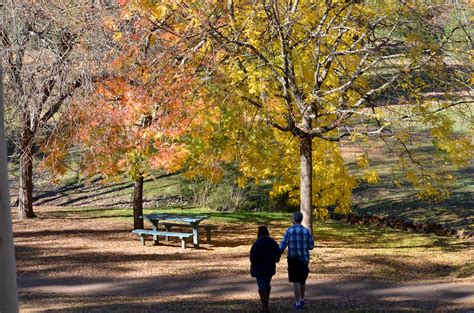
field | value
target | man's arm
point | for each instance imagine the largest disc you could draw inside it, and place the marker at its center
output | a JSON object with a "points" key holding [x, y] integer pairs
{"points": [[310, 242], [284, 242]]}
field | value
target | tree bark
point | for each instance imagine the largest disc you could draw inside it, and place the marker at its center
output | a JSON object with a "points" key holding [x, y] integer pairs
{"points": [[25, 194], [306, 183], [8, 285], [137, 200]]}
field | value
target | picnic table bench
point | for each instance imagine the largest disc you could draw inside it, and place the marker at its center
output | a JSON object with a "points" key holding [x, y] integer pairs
{"points": [[207, 227], [148, 232], [170, 220]]}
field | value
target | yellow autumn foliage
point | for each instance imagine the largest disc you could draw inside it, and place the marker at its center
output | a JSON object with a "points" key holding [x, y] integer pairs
{"points": [[261, 69]]}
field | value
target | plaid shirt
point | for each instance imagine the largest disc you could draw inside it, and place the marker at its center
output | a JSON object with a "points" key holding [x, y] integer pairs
{"points": [[299, 241]]}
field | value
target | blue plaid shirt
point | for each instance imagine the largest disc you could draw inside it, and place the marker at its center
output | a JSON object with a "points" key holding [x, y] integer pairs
{"points": [[299, 241]]}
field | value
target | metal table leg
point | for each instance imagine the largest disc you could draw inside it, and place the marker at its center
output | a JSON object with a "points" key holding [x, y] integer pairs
{"points": [[195, 234]]}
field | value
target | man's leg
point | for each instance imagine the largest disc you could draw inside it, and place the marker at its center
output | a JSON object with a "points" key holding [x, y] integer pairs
{"points": [[305, 272], [297, 291], [302, 290]]}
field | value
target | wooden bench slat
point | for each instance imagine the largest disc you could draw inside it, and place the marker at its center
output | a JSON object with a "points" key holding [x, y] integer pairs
{"points": [[161, 233], [185, 225]]}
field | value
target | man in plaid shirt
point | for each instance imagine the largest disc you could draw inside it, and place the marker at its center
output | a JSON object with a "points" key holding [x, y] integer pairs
{"points": [[299, 241]]}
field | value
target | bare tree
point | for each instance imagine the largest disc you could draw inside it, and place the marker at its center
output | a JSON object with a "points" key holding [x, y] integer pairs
{"points": [[51, 52]]}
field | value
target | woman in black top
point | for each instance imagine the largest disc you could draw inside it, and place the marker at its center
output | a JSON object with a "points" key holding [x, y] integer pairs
{"points": [[264, 255]]}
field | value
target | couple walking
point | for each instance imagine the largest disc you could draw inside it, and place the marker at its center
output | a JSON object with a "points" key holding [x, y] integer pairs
{"points": [[265, 253]]}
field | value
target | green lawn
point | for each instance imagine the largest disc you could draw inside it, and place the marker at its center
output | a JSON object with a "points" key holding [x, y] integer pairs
{"points": [[351, 235]]}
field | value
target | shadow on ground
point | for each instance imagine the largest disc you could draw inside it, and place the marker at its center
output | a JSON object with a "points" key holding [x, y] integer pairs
{"points": [[236, 295], [277, 305]]}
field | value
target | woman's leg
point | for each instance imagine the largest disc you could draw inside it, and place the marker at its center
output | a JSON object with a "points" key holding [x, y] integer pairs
{"points": [[263, 283], [268, 290]]}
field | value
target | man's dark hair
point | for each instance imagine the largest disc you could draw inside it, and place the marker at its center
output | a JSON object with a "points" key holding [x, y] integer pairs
{"points": [[262, 231], [297, 217]]}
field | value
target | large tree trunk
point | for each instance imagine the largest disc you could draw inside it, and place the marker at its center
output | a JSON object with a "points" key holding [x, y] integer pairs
{"points": [[306, 183], [137, 201], [25, 194], [8, 285]]}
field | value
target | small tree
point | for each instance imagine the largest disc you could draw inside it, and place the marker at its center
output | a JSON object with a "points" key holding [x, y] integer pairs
{"points": [[135, 122], [122, 133]]}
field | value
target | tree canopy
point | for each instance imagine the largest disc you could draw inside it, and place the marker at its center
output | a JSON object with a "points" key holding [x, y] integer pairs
{"points": [[290, 80], [271, 84]]}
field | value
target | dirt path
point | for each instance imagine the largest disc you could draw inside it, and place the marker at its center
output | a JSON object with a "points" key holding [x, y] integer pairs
{"points": [[79, 264], [442, 296]]}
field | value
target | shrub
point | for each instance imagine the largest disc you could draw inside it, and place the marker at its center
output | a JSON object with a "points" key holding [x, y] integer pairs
{"points": [[226, 195]]}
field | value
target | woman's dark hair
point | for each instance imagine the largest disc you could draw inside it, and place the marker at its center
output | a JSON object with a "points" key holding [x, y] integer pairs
{"points": [[262, 231]]}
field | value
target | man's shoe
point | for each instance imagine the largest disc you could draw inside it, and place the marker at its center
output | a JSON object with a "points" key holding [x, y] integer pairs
{"points": [[302, 303], [297, 306]]}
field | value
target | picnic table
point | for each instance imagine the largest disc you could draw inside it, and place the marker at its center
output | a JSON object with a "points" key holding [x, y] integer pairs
{"points": [[169, 220]]}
